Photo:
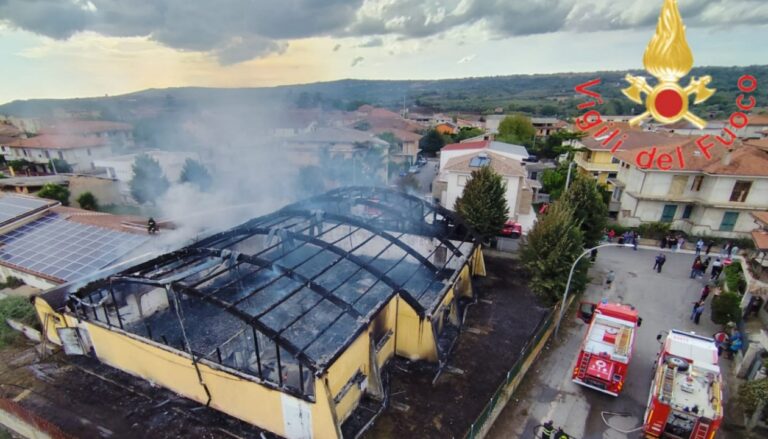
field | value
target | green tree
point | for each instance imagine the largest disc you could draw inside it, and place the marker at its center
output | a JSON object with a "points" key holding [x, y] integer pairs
{"points": [[752, 395], [483, 203], [55, 192], [550, 249], [88, 201], [148, 181], [196, 173], [516, 129], [726, 307], [553, 181], [61, 166], [467, 133], [432, 142], [311, 180], [589, 209]]}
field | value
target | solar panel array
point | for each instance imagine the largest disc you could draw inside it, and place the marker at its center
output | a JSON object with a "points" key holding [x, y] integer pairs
{"points": [[64, 249], [12, 206]]}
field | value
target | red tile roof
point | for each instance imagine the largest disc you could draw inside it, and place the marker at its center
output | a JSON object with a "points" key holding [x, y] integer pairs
{"points": [[464, 146], [758, 119], [761, 216], [402, 135], [760, 237], [84, 127], [47, 141], [745, 160]]}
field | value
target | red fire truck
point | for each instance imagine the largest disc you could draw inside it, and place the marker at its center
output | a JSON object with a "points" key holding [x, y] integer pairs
{"points": [[607, 348], [686, 393]]}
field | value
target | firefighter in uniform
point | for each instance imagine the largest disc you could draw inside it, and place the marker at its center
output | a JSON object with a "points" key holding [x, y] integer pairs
{"points": [[546, 430]]}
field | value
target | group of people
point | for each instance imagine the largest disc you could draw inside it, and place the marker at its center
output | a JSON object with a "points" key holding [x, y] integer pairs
{"points": [[673, 242], [729, 340], [700, 267], [628, 237], [698, 306]]}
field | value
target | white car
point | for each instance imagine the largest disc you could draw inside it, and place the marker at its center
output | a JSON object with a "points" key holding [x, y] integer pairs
{"points": [[414, 169]]}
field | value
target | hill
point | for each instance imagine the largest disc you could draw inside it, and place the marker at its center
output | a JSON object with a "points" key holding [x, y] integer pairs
{"points": [[550, 94]]}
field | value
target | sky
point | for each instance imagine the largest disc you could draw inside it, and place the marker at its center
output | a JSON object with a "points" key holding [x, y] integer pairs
{"points": [[78, 48]]}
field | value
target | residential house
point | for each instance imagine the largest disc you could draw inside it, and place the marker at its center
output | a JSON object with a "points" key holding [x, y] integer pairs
{"points": [[760, 238], [596, 160], [446, 128], [78, 151], [712, 197], [118, 134], [535, 175], [546, 126], [408, 145], [450, 182], [492, 122], [509, 150]]}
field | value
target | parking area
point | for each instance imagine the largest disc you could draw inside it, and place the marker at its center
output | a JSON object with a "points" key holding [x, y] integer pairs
{"points": [[664, 301]]}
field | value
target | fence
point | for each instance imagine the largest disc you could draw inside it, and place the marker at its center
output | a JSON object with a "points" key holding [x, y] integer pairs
{"points": [[514, 376]]}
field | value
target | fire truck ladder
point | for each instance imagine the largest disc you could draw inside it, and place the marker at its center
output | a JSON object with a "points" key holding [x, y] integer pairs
{"points": [[622, 341], [702, 429], [668, 383], [584, 364]]}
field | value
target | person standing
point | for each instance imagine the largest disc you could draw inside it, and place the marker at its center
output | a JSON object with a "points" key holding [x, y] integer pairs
{"points": [[699, 246], [717, 267], [609, 278], [696, 306], [709, 246], [698, 312], [696, 267], [705, 264], [721, 341], [611, 235], [704, 293], [657, 263], [680, 242], [635, 240]]}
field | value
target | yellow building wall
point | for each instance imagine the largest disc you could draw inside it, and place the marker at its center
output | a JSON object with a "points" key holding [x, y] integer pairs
{"points": [[355, 358], [415, 339], [478, 262], [239, 397], [388, 350]]}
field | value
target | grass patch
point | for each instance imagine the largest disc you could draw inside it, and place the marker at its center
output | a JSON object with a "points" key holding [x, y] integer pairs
{"points": [[16, 308]]}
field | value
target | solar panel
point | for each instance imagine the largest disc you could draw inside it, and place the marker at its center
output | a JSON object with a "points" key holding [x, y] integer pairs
{"points": [[12, 206], [64, 249]]}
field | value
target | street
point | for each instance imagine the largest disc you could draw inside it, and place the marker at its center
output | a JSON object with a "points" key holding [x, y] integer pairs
{"points": [[664, 302]]}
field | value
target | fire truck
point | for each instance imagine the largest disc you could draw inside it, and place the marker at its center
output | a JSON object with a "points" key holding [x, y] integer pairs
{"points": [[687, 391], [607, 348]]}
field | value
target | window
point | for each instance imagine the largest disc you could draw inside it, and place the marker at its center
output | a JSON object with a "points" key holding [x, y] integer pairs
{"points": [[61, 155], [25, 152], [588, 155], [688, 211], [611, 175], [534, 175], [614, 160], [595, 174], [729, 221], [741, 191], [669, 213], [47, 154], [697, 181]]}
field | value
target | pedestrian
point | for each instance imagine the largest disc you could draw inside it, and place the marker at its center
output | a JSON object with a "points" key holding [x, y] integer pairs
{"points": [[706, 265], [657, 263], [609, 278], [735, 344], [697, 312], [696, 305], [611, 235], [660, 260], [696, 267], [709, 246], [680, 242], [635, 240], [725, 250], [717, 267], [593, 255], [704, 293], [721, 341], [663, 243], [699, 246], [755, 302]]}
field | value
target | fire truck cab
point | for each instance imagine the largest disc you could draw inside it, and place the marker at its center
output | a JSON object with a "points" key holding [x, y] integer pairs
{"points": [[685, 401], [607, 348]]}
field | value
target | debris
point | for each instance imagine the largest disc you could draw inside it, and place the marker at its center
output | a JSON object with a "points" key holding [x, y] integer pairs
{"points": [[454, 370], [399, 406]]}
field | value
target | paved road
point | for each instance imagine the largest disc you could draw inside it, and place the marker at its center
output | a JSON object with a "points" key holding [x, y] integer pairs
{"points": [[664, 301]]}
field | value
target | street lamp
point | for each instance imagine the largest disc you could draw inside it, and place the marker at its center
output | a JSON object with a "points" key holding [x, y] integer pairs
{"points": [[570, 275]]}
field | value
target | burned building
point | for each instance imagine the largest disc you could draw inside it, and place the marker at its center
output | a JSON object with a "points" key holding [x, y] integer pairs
{"points": [[289, 320]]}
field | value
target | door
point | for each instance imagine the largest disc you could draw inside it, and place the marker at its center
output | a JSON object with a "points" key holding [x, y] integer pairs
{"points": [[668, 215], [678, 185], [729, 221]]}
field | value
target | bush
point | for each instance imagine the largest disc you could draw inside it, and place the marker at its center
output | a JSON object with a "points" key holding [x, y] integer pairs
{"points": [[16, 308], [88, 201], [742, 243], [55, 192], [751, 394], [653, 230], [734, 278], [726, 307], [11, 282]]}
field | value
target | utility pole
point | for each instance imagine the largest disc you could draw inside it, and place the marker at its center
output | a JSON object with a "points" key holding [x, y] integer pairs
{"points": [[568, 177]]}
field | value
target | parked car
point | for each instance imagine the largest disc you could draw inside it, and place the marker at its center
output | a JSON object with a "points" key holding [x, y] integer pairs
{"points": [[414, 169], [421, 161], [511, 229]]}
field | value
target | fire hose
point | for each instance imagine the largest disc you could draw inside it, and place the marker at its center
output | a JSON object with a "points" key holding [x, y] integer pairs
{"points": [[605, 421]]}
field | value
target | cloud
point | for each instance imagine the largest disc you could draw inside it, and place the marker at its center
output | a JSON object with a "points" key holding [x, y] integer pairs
{"points": [[466, 59], [238, 30], [356, 61], [373, 42]]}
